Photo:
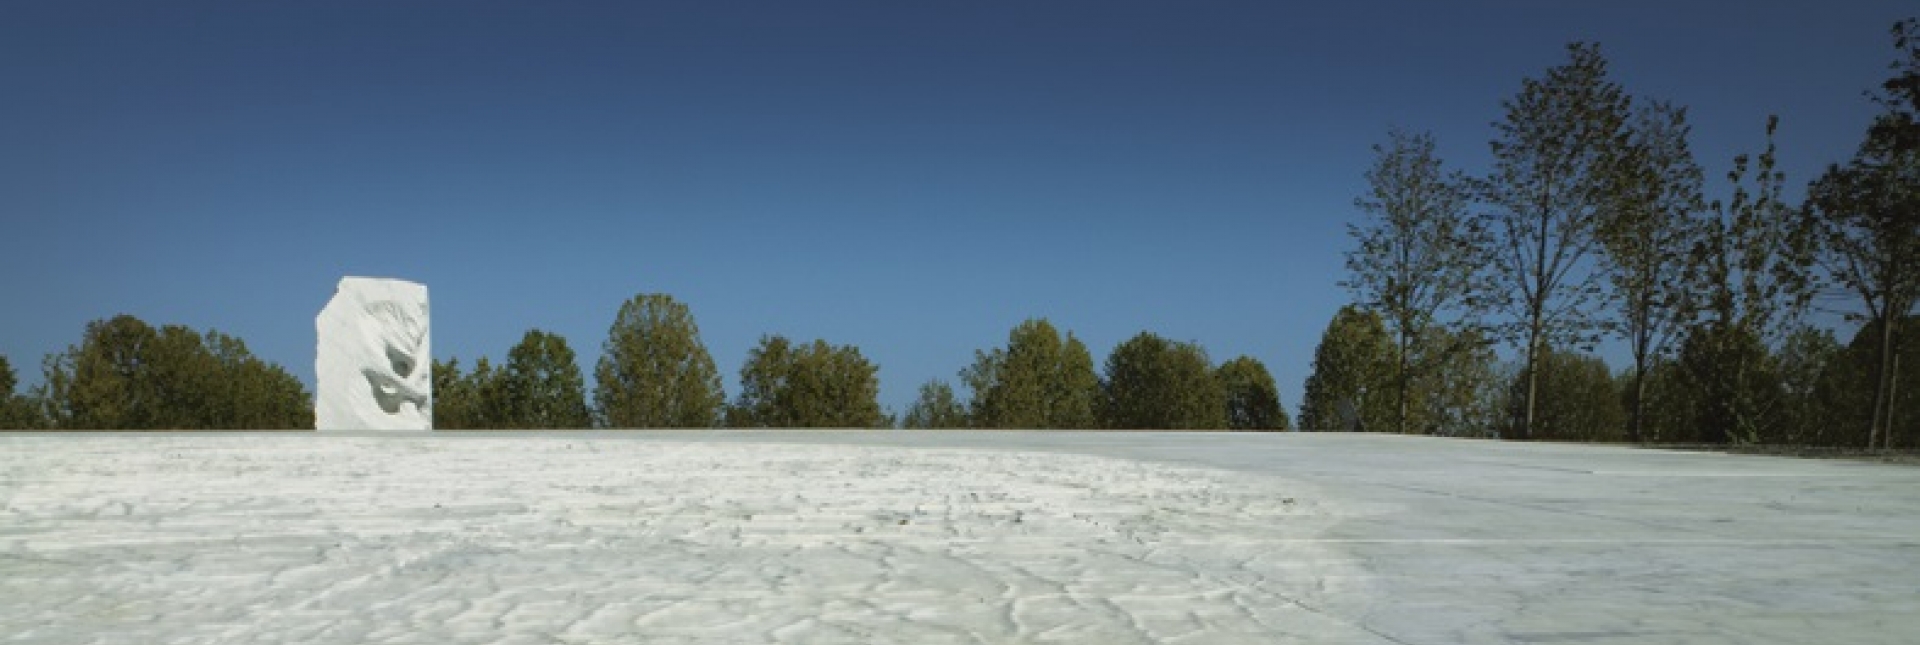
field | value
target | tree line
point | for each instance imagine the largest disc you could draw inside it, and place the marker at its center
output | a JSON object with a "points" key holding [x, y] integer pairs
{"points": [[654, 371], [1593, 222]]}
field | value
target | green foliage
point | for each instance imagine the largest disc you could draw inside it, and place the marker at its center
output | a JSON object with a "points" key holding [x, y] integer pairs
{"points": [[1253, 401], [1039, 380], [936, 407], [1154, 383], [1462, 393], [1548, 190], [455, 398], [1865, 217], [126, 375], [812, 385], [1845, 391], [1731, 386], [540, 387], [1579, 400], [1352, 374], [1419, 257], [1657, 202], [17, 412], [654, 372]]}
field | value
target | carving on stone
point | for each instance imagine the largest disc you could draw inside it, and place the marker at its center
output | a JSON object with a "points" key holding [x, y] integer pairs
{"points": [[373, 365]]}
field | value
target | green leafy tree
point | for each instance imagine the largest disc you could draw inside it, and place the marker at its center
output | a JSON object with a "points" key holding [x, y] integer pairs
{"points": [[1548, 190], [1737, 395], [1581, 400], [936, 407], [1154, 383], [1657, 202], [1419, 259], [811, 385], [252, 394], [1464, 393], [1809, 363], [654, 372], [127, 375], [1866, 216], [17, 412], [1039, 380], [541, 386], [1253, 401], [1747, 284], [455, 402], [1352, 366]]}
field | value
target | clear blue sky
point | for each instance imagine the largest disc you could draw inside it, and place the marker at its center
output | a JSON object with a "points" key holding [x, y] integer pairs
{"points": [[910, 177]]}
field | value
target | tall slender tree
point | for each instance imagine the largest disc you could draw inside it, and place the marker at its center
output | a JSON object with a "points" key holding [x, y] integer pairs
{"points": [[1419, 260], [1547, 192], [1748, 284], [1653, 222], [1866, 216]]}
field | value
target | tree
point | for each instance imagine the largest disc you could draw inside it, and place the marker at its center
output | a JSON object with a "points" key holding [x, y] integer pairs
{"points": [[17, 412], [254, 394], [936, 407], [1809, 362], [1866, 216], [1253, 401], [1747, 283], [126, 375], [1657, 198], [1154, 383], [1420, 256], [653, 371], [1548, 191], [455, 402], [1463, 393], [811, 385], [1579, 401], [1353, 363], [541, 386], [1735, 385], [1039, 380]]}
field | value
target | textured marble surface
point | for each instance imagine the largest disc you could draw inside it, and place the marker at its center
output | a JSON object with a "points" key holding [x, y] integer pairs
{"points": [[931, 537], [373, 357]]}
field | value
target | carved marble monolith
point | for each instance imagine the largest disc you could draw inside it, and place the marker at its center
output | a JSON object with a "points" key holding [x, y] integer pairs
{"points": [[373, 368]]}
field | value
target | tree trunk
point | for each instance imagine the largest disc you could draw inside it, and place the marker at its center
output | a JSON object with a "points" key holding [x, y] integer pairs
{"points": [[1893, 396], [1634, 428], [1533, 385], [1400, 421], [1882, 381]]}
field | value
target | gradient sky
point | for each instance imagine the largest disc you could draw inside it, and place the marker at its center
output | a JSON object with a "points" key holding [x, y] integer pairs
{"points": [[913, 178]]}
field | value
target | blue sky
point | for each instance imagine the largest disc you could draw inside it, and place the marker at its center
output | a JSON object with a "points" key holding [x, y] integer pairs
{"points": [[911, 178]]}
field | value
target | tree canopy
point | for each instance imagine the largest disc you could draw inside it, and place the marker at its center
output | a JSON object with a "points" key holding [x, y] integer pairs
{"points": [[1154, 383], [809, 385], [1352, 366], [1253, 401], [127, 375], [654, 372], [1039, 380], [935, 408]]}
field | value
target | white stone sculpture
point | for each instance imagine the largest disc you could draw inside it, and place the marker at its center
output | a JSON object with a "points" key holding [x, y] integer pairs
{"points": [[374, 370]]}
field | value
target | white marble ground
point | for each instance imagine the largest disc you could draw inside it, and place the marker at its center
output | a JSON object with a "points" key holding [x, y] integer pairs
{"points": [[600, 539], [943, 537]]}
